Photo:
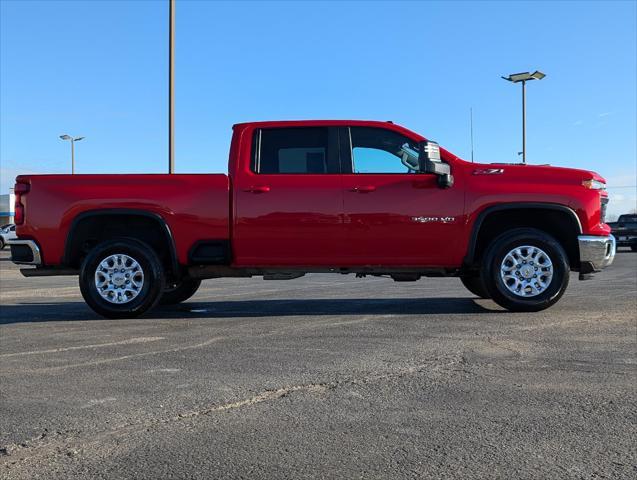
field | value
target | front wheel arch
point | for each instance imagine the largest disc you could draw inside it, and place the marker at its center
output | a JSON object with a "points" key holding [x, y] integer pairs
{"points": [[558, 221]]}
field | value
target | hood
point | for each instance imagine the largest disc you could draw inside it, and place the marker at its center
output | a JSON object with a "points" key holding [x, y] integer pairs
{"points": [[536, 173]]}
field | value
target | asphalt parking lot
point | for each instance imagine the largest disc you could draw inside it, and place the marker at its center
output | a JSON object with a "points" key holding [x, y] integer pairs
{"points": [[322, 377]]}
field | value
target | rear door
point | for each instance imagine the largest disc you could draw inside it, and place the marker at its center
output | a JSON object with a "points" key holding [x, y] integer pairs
{"points": [[288, 206], [393, 215]]}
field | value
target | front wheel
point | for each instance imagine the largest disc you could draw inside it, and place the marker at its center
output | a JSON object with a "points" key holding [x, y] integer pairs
{"points": [[525, 270], [180, 291], [121, 278], [633, 248]]}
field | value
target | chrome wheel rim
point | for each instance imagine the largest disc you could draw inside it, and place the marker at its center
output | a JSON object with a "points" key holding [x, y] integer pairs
{"points": [[526, 271], [119, 278]]}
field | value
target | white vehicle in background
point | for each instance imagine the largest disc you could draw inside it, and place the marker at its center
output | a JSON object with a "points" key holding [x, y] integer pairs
{"points": [[7, 233]]}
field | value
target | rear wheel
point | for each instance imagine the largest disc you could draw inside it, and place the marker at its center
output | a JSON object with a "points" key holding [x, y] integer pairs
{"points": [[2, 244], [525, 270], [475, 285], [633, 248], [180, 291], [121, 278]]}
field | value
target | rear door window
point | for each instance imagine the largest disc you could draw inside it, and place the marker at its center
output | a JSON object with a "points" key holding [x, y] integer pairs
{"points": [[302, 150]]}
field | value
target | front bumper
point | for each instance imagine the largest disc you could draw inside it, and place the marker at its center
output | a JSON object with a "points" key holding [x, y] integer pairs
{"points": [[25, 252], [595, 252]]}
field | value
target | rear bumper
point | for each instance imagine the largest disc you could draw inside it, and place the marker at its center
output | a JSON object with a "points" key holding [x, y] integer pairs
{"points": [[596, 252], [25, 252]]}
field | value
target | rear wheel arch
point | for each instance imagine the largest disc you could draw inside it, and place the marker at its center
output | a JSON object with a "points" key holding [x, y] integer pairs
{"points": [[557, 220], [93, 227]]}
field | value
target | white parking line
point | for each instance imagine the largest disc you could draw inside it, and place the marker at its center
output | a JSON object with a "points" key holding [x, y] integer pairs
{"points": [[130, 341]]}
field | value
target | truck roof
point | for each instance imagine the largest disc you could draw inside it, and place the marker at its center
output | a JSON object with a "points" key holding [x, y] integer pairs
{"points": [[327, 123]]}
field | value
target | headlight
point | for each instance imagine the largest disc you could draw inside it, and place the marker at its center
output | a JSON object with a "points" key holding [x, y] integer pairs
{"points": [[594, 184]]}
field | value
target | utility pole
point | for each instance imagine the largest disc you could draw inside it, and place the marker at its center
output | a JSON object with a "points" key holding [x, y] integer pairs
{"points": [[171, 87]]}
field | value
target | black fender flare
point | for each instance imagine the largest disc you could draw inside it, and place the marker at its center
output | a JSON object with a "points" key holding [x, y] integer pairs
{"points": [[68, 253], [477, 224]]}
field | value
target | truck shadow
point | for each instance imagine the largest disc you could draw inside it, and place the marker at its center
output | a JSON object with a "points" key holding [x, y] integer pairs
{"points": [[78, 311]]}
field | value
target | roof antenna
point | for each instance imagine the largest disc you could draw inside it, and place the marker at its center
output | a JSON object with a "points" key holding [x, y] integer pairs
{"points": [[471, 126]]}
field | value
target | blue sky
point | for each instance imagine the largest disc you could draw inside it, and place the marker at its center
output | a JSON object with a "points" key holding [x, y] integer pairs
{"points": [[99, 69]]}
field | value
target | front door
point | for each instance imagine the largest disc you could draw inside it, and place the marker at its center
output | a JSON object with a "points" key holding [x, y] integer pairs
{"points": [[393, 215], [288, 207]]}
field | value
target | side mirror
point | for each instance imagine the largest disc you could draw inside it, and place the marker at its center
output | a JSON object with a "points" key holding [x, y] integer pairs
{"points": [[429, 162]]}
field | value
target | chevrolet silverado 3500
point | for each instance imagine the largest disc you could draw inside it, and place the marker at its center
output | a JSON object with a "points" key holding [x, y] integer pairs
{"points": [[362, 197]]}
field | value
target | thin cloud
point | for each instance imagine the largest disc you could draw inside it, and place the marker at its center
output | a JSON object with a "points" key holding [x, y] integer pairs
{"points": [[578, 122], [605, 114]]}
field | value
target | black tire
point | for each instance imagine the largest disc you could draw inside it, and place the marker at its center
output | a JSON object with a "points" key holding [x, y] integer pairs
{"points": [[151, 289], [496, 254], [180, 292], [2, 244], [475, 285], [632, 247]]}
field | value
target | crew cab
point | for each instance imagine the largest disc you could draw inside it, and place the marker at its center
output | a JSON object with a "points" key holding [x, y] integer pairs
{"points": [[625, 231], [359, 197]]}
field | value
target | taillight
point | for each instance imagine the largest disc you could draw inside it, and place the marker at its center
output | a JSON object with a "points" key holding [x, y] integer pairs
{"points": [[19, 190]]}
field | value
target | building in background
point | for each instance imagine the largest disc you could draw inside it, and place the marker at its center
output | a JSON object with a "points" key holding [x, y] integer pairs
{"points": [[6, 207]]}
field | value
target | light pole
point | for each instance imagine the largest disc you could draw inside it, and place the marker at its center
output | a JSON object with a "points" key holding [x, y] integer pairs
{"points": [[523, 78], [72, 140], [171, 86]]}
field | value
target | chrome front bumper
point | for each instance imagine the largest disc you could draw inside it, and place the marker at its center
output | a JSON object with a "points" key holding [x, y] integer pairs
{"points": [[595, 252], [25, 252]]}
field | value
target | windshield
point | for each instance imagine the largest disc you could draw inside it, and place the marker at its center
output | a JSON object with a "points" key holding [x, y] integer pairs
{"points": [[628, 220]]}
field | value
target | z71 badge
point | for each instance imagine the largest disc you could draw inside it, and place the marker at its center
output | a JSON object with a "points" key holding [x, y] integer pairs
{"points": [[433, 219]]}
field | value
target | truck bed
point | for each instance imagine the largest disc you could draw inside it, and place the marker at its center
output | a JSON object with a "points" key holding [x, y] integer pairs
{"points": [[194, 206]]}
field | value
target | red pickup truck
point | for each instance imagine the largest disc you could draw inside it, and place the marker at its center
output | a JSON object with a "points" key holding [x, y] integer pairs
{"points": [[361, 197]]}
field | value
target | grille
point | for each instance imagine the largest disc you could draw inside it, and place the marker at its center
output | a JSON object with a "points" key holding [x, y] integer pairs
{"points": [[603, 205]]}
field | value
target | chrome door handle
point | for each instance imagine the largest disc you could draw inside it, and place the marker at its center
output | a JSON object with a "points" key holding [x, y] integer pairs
{"points": [[363, 189], [259, 189]]}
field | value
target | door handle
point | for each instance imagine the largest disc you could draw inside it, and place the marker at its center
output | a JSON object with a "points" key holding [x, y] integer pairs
{"points": [[259, 189], [363, 189]]}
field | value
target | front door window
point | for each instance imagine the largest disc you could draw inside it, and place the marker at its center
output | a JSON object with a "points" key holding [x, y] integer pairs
{"points": [[376, 150]]}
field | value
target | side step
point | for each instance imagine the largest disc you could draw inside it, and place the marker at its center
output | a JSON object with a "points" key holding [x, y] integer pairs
{"points": [[47, 272], [282, 276]]}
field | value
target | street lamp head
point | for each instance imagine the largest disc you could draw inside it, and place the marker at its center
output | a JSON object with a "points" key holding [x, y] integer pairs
{"points": [[77, 139], [65, 137], [525, 76]]}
